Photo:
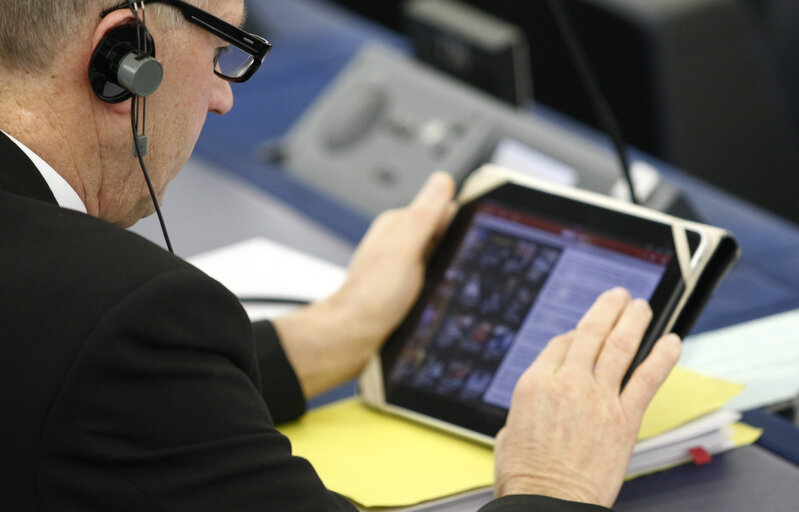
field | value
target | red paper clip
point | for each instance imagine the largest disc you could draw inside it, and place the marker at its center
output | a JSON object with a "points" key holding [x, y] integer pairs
{"points": [[700, 456]]}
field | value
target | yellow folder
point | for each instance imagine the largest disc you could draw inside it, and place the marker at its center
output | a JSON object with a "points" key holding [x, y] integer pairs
{"points": [[378, 460]]}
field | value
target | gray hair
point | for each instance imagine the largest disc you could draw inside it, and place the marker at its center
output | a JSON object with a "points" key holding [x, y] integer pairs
{"points": [[32, 31]]}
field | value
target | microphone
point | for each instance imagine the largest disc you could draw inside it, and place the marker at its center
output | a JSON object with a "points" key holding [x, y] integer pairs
{"points": [[598, 100]]}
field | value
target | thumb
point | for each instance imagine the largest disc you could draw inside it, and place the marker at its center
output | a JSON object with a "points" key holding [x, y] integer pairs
{"points": [[431, 208]]}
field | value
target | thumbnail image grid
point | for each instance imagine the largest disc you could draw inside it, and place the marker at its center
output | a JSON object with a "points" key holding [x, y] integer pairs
{"points": [[466, 329]]}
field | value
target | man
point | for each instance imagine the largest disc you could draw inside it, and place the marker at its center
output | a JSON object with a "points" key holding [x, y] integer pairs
{"points": [[131, 381]]}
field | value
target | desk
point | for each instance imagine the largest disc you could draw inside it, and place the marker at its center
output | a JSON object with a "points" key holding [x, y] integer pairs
{"points": [[313, 40], [748, 479]]}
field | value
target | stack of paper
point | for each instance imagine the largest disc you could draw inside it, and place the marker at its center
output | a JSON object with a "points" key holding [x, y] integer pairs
{"points": [[687, 414], [713, 433], [378, 460]]}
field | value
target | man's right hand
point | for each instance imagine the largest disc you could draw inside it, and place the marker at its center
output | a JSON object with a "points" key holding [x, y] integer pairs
{"points": [[329, 342], [570, 433]]}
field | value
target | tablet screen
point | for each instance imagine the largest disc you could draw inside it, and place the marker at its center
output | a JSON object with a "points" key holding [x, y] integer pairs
{"points": [[512, 281]]}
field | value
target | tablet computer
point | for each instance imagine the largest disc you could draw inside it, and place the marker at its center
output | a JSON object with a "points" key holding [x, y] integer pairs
{"points": [[522, 261]]}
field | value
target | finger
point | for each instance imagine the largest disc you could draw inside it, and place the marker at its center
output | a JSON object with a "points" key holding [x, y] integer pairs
{"points": [[622, 343], [439, 184], [595, 326], [651, 374], [553, 355], [430, 208]]}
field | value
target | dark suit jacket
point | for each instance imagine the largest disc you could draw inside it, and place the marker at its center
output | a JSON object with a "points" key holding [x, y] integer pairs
{"points": [[129, 380]]}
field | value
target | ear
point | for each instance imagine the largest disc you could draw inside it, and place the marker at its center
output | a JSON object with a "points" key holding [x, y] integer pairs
{"points": [[111, 21]]}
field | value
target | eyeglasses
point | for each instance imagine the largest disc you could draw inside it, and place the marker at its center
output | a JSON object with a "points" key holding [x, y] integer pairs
{"points": [[238, 61]]}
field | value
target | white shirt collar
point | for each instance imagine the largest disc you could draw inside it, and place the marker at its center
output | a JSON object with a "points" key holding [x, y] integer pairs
{"points": [[64, 194]]}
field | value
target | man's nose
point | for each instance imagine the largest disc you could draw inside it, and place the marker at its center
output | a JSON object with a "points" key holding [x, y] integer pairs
{"points": [[221, 100]]}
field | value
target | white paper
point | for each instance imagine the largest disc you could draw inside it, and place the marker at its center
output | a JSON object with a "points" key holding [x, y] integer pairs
{"points": [[710, 422], [261, 267], [763, 354], [714, 442], [671, 448]]}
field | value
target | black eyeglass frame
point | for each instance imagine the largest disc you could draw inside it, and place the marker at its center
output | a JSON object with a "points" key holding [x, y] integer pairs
{"points": [[255, 46]]}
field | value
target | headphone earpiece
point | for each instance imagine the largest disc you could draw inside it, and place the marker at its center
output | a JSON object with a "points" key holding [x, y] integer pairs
{"points": [[119, 69], [124, 66]]}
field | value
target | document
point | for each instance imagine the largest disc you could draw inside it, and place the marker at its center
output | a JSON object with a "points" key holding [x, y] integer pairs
{"points": [[762, 354], [262, 268]]}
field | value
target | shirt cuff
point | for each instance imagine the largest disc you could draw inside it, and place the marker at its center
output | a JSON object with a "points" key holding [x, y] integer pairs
{"points": [[532, 503], [279, 384]]}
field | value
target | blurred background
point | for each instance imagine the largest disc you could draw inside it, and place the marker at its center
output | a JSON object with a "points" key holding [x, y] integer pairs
{"points": [[710, 86]]}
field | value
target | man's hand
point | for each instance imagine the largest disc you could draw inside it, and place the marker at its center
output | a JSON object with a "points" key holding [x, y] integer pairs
{"points": [[569, 433], [330, 342]]}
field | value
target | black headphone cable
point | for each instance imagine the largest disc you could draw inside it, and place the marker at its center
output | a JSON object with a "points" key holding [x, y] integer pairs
{"points": [[139, 140]]}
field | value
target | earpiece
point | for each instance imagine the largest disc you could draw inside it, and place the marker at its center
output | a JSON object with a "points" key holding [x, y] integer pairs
{"points": [[120, 69], [124, 66]]}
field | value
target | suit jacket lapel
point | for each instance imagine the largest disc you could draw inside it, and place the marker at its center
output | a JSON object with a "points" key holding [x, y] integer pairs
{"points": [[19, 176]]}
